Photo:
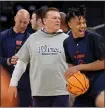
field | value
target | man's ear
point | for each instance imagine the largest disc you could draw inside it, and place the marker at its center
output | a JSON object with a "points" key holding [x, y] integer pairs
{"points": [[39, 20], [44, 20], [69, 24], [15, 19]]}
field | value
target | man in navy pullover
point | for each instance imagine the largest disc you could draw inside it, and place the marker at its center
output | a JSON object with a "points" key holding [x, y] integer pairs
{"points": [[85, 52], [11, 41]]}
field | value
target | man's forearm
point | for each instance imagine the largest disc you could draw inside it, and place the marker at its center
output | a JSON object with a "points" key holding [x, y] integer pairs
{"points": [[94, 66], [17, 73]]}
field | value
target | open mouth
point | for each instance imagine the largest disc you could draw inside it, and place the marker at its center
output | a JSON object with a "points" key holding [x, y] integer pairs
{"points": [[82, 31]]}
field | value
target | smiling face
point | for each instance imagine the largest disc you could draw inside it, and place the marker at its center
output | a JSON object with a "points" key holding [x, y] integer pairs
{"points": [[78, 26]]}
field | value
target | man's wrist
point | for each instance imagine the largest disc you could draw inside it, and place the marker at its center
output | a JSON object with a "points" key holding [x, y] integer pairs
{"points": [[79, 67], [9, 61]]}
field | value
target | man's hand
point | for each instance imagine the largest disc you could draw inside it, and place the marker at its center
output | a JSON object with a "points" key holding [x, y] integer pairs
{"points": [[12, 92], [72, 70], [13, 60]]}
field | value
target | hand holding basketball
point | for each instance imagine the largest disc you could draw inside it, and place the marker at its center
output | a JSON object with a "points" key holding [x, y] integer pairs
{"points": [[70, 72], [77, 84]]}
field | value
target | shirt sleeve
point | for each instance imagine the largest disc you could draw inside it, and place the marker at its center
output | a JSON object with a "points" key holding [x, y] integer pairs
{"points": [[18, 72], [99, 47], [68, 58]]}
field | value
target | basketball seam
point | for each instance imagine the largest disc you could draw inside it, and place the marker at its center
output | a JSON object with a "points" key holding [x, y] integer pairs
{"points": [[76, 87], [71, 92], [79, 82], [85, 83], [76, 94], [84, 79]]}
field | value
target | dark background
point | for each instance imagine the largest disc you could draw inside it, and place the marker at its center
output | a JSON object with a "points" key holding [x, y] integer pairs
{"points": [[95, 11]]}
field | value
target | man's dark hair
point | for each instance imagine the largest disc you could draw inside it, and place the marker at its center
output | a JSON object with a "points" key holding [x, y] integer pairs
{"points": [[81, 11], [39, 12]]}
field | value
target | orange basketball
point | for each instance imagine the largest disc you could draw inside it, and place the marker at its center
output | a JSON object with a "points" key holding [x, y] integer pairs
{"points": [[5, 80], [78, 84]]}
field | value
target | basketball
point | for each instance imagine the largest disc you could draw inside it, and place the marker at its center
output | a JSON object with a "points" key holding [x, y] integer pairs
{"points": [[5, 80], [77, 84]]}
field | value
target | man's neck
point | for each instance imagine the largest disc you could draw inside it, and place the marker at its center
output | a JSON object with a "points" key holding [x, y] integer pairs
{"points": [[74, 35], [40, 26], [48, 30]]}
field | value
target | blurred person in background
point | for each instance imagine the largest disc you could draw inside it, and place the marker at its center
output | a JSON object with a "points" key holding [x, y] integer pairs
{"points": [[64, 25], [11, 41], [37, 18]]}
